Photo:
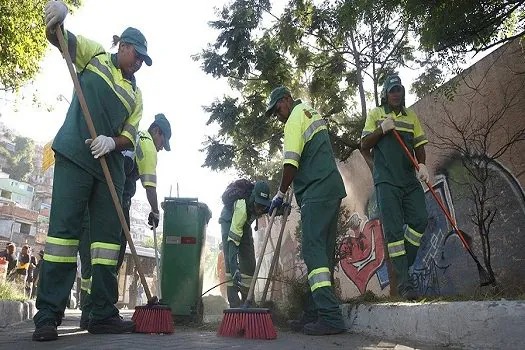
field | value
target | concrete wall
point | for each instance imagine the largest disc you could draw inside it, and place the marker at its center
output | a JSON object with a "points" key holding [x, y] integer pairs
{"points": [[495, 86]]}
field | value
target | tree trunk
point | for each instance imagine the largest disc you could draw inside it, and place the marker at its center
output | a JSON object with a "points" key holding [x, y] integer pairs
{"points": [[359, 72]]}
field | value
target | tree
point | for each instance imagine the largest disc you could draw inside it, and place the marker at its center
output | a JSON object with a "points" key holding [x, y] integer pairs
{"points": [[19, 161], [22, 40], [150, 243], [464, 26], [478, 139], [324, 53]]}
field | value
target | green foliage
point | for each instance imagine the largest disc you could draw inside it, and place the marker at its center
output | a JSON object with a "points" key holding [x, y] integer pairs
{"points": [[12, 291], [22, 40], [323, 52], [465, 25], [149, 243], [19, 163]]}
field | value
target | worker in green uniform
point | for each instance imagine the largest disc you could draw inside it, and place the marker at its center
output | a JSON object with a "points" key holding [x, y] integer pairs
{"points": [[238, 213], [115, 105], [140, 164], [309, 163], [400, 196]]}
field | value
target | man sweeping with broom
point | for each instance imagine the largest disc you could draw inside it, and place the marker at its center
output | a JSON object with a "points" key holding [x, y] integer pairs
{"points": [[310, 164], [115, 102], [400, 196], [141, 164], [243, 202]]}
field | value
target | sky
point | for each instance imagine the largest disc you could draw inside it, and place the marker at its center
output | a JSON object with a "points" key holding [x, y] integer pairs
{"points": [[174, 85]]}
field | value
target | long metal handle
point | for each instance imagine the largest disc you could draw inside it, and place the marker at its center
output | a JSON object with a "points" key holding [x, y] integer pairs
{"points": [[157, 262], [261, 255], [103, 163], [277, 251], [438, 200]]}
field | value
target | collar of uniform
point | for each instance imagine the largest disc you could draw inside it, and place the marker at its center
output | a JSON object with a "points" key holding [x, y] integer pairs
{"points": [[145, 134], [296, 103], [115, 63], [389, 110]]}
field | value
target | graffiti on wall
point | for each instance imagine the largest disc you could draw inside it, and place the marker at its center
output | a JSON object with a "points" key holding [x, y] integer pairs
{"points": [[362, 251]]}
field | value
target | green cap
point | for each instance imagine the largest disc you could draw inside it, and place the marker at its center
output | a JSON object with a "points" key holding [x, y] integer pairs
{"points": [[390, 82], [262, 193], [164, 125], [134, 37], [275, 96]]}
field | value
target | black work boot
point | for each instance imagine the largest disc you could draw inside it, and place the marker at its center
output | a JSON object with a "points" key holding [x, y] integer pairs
{"points": [[46, 331], [111, 325], [321, 328], [297, 325], [84, 321]]}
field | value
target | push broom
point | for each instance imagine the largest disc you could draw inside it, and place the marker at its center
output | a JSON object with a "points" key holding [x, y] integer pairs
{"points": [[248, 322], [484, 277], [150, 318]]}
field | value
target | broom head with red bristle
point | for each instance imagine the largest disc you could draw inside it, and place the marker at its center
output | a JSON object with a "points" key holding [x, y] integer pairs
{"points": [[153, 319], [250, 323]]}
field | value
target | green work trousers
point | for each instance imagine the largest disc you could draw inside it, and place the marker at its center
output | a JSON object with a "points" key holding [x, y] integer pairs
{"points": [[404, 218], [242, 256], [75, 190], [319, 230], [85, 260]]}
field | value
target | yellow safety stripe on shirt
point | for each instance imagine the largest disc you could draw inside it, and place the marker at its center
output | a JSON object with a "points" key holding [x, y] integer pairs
{"points": [[246, 280], [240, 215], [85, 285], [131, 130], [408, 122], [104, 253], [228, 277], [319, 277], [396, 248], [420, 140], [105, 72], [400, 126], [91, 56], [302, 125], [316, 126], [413, 236], [147, 159], [61, 250]]}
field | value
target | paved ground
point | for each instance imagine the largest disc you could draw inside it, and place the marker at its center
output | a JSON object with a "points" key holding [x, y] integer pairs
{"points": [[19, 337]]}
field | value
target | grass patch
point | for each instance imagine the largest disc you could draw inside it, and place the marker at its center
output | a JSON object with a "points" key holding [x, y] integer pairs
{"points": [[12, 291]]}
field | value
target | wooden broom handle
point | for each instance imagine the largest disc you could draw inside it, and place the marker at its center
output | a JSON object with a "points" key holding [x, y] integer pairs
{"points": [[103, 163]]}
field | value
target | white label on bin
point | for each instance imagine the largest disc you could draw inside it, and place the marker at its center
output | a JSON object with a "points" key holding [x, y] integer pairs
{"points": [[173, 240]]}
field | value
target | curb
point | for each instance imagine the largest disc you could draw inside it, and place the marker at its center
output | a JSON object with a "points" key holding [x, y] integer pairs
{"points": [[15, 311], [470, 324]]}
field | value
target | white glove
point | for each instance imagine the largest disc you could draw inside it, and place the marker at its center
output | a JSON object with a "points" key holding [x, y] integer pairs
{"points": [[56, 12], [387, 125], [422, 173], [101, 145]]}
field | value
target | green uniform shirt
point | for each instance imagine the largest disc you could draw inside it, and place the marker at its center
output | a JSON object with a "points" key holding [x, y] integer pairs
{"points": [[391, 164], [115, 105], [307, 147]]}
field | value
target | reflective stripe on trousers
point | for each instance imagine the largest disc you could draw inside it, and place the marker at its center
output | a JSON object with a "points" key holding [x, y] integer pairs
{"points": [[319, 277]]}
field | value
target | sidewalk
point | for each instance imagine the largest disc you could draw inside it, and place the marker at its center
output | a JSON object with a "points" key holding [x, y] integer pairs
{"points": [[19, 336]]}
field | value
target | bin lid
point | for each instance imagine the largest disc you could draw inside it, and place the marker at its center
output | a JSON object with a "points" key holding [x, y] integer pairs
{"points": [[190, 201]]}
